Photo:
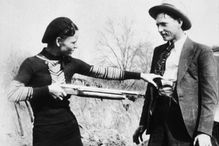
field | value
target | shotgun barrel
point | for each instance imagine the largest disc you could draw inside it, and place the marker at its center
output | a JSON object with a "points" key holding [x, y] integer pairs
{"points": [[102, 93]]}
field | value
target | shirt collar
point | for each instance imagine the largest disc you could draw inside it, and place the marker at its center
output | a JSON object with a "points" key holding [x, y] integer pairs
{"points": [[179, 43]]}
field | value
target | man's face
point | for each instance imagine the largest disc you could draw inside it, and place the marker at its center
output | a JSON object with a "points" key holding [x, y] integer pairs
{"points": [[168, 27], [69, 44]]}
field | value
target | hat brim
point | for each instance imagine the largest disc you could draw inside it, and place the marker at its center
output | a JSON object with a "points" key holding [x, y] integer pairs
{"points": [[154, 11]]}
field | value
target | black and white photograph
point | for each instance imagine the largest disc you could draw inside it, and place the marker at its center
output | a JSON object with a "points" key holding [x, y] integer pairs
{"points": [[109, 73]]}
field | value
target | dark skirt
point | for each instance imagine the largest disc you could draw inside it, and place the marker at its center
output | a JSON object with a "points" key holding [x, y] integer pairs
{"points": [[63, 134], [215, 134]]}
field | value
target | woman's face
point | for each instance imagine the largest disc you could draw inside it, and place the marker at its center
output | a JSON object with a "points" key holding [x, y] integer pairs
{"points": [[69, 44]]}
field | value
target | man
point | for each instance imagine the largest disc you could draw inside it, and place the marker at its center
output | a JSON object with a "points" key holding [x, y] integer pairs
{"points": [[181, 111]]}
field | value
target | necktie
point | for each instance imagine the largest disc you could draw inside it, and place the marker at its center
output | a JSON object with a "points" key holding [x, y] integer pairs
{"points": [[165, 100], [161, 63]]}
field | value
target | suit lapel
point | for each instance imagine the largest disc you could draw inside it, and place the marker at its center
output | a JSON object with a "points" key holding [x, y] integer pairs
{"points": [[188, 51]]}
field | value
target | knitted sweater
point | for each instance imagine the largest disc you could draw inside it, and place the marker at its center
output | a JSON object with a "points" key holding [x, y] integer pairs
{"points": [[35, 75]]}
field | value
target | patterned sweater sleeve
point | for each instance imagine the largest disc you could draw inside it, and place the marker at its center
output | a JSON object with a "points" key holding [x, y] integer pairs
{"points": [[19, 89], [110, 73]]}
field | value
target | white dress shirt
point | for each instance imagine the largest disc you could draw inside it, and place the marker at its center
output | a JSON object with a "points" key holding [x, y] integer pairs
{"points": [[172, 61], [216, 117]]}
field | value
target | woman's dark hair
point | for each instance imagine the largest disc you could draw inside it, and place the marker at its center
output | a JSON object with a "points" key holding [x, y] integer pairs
{"points": [[59, 27]]}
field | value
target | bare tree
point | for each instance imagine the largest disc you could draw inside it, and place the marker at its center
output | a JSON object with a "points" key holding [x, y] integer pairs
{"points": [[119, 47]]}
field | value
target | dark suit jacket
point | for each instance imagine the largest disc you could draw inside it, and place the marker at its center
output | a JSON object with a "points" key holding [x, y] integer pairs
{"points": [[196, 88]]}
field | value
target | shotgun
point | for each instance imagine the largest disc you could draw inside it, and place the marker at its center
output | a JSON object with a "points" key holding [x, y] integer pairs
{"points": [[102, 93]]}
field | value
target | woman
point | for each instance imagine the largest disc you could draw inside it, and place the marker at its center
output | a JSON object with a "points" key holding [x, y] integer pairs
{"points": [[39, 79]]}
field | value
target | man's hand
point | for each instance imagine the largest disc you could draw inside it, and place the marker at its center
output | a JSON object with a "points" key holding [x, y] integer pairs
{"points": [[150, 78], [56, 91], [202, 140], [138, 134]]}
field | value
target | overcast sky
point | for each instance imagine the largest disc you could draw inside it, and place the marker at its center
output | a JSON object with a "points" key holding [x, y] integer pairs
{"points": [[23, 22]]}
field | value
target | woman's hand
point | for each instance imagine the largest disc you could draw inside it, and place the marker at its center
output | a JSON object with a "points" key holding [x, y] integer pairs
{"points": [[149, 77], [56, 91]]}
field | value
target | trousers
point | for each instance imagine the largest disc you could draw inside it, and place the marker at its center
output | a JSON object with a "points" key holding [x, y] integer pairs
{"points": [[168, 128]]}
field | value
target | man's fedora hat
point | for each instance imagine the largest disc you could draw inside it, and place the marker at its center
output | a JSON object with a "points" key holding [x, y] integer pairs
{"points": [[174, 8]]}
